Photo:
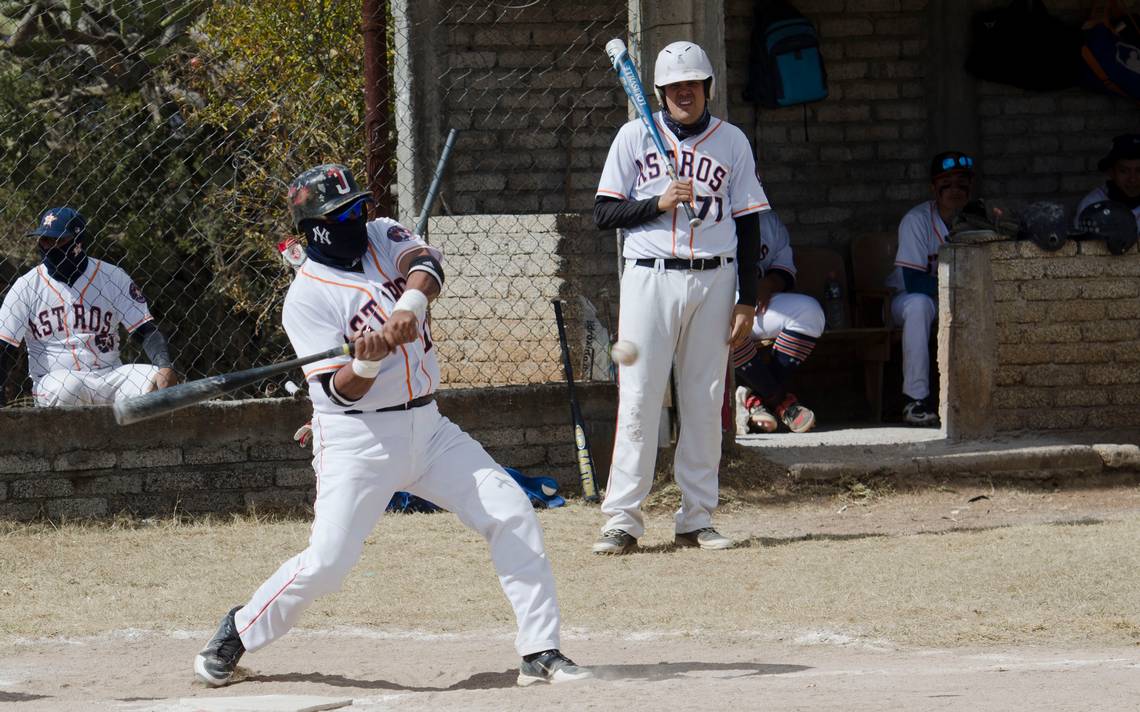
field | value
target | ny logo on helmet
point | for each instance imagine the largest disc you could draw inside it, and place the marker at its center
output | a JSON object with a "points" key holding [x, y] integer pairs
{"points": [[322, 235]]}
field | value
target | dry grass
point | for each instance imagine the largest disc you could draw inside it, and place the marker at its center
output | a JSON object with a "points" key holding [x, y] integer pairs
{"points": [[1027, 584]]}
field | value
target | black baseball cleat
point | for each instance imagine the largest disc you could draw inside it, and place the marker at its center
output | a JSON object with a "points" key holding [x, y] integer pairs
{"points": [[216, 663], [550, 666]]}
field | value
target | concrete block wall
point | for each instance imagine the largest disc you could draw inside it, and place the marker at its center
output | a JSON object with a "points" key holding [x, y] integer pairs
{"points": [[532, 91], [223, 457], [494, 323], [863, 159], [1068, 331]]}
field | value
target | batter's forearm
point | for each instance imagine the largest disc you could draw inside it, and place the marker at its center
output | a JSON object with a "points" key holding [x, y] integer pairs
{"points": [[425, 283], [154, 344]]}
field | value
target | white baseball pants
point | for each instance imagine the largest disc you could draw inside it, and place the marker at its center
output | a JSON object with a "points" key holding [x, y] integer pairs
{"points": [[100, 387], [682, 315], [915, 313], [789, 310], [360, 461]]}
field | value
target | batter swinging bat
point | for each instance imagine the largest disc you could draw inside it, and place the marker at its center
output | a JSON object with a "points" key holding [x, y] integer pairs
{"points": [[581, 442], [161, 402], [631, 82]]}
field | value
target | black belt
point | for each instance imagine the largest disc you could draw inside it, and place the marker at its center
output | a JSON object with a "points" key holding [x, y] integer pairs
{"points": [[673, 263], [413, 403]]}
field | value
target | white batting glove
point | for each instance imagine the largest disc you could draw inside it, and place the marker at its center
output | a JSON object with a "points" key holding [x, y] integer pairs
{"points": [[304, 435]]}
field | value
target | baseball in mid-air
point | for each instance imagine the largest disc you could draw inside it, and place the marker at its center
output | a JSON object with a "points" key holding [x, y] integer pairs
{"points": [[624, 352]]}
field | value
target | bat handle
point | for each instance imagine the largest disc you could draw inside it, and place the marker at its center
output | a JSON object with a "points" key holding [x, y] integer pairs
{"points": [[693, 219]]}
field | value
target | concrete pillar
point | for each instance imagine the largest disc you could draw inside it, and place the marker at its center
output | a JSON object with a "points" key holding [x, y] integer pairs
{"points": [[652, 25], [952, 117], [967, 341], [417, 35]]}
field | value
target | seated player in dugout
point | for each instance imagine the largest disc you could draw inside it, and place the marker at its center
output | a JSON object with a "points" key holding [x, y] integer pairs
{"points": [[792, 323], [68, 311], [1121, 166], [914, 281]]}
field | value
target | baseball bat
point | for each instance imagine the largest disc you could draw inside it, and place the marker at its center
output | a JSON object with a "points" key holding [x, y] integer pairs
{"points": [[166, 400], [436, 179], [581, 441], [631, 82]]}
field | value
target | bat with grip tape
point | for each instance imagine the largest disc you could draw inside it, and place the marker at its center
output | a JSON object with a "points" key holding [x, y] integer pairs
{"points": [[166, 400], [581, 441], [631, 82]]}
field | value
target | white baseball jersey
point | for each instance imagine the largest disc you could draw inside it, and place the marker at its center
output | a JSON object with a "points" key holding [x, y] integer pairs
{"points": [[775, 245], [72, 327], [725, 186], [1095, 196], [325, 307], [921, 233]]}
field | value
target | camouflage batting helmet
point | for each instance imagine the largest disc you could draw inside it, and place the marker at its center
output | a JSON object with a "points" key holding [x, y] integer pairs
{"points": [[322, 190], [1046, 224], [1112, 221]]}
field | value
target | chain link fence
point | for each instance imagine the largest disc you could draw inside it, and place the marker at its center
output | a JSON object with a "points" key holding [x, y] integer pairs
{"points": [[175, 125]]}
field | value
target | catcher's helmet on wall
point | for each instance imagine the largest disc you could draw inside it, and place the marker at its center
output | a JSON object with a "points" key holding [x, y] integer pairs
{"points": [[1046, 224], [1112, 221], [322, 190]]}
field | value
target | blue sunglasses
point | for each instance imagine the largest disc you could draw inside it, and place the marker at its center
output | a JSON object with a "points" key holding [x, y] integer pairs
{"points": [[351, 213], [951, 162]]}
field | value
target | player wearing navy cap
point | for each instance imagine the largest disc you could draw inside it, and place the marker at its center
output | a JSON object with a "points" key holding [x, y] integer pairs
{"points": [[68, 311]]}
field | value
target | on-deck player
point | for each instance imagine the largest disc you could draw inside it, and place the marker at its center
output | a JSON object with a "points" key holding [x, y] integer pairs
{"points": [[677, 292], [1121, 166], [376, 430], [793, 321], [914, 281], [68, 311]]}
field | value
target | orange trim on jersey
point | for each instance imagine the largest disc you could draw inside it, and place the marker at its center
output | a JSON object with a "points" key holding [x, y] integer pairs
{"points": [[692, 231], [83, 291], [10, 340], [755, 207], [719, 123], [600, 191], [334, 367], [131, 329], [407, 361], [67, 331]]}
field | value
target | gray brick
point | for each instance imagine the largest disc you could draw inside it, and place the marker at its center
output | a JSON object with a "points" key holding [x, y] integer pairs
{"points": [[286, 449], [21, 511], [109, 484], [240, 478], [22, 464], [175, 481], [3, 491], [1083, 397], [158, 457], [295, 476], [278, 500], [1114, 374], [207, 455], [85, 508], [1055, 375], [84, 460], [45, 487]]}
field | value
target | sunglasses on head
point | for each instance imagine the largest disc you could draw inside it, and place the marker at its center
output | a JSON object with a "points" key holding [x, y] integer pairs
{"points": [[349, 214], [952, 162]]}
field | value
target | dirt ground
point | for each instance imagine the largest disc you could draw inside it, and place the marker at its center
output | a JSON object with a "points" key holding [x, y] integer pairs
{"points": [[859, 598]]}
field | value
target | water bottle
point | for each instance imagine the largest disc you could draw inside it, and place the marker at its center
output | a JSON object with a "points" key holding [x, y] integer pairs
{"points": [[833, 303]]}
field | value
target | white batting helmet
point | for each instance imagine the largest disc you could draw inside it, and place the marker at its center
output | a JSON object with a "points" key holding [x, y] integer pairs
{"points": [[681, 62]]}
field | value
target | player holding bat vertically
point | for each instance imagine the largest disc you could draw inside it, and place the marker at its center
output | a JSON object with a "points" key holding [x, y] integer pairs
{"points": [[376, 430], [677, 287]]}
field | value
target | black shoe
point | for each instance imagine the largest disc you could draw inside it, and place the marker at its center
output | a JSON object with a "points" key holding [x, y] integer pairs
{"points": [[550, 666], [215, 664], [917, 412], [615, 541]]}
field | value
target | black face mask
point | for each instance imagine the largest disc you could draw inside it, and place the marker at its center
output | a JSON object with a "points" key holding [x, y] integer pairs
{"points": [[339, 245], [66, 263]]}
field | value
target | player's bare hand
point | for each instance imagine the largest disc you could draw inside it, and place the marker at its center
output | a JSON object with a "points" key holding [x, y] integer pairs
{"points": [[741, 327], [371, 345], [165, 378], [679, 191], [401, 328]]}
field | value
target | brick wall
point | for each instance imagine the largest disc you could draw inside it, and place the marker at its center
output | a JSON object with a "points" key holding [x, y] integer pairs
{"points": [[238, 456], [1068, 326], [536, 99], [494, 323]]}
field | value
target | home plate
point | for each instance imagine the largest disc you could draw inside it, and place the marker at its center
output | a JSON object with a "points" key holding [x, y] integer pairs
{"points": [[263, 703]]}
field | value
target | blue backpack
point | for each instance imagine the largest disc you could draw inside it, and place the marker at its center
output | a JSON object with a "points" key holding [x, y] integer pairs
{"points": [[785, 67]]}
